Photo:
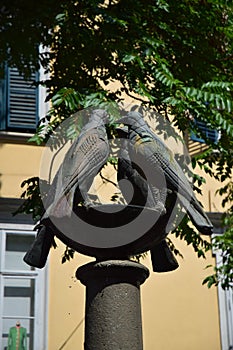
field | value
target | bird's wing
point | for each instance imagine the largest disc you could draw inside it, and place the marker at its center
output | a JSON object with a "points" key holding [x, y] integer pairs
{"points": [[162, 257], [85, 159], [158, 161], [177, 182], [82, 162], [159, 156]]}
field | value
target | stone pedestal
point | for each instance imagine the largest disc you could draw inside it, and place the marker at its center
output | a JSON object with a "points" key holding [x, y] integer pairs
{"points": [[113, 306]]}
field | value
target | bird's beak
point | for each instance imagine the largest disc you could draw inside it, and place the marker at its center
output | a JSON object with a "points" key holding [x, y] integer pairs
{"points": [[124, 120]]}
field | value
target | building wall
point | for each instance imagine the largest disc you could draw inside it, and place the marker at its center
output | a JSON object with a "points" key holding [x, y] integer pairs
{"points": [[18, 161], [178, 312]]}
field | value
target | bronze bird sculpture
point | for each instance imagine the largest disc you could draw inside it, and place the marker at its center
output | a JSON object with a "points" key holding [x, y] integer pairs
{"points": [[81, 164], [83, 161], [141, 194], [156, 159]]}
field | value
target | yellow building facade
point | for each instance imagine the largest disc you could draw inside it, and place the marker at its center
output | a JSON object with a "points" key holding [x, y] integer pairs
{"points": [[178, 313]]}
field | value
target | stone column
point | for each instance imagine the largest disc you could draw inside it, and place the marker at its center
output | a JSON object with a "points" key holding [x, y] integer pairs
{"points": [[113, 305]]}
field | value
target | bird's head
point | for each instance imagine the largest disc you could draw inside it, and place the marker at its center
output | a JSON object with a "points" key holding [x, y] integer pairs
{"points": [[132, 119], [100, 115]]}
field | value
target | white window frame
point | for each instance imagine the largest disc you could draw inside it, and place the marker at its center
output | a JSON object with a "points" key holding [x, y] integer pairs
{"points": [[225, 304], [41, 286], [225, 301], [43, 106]]}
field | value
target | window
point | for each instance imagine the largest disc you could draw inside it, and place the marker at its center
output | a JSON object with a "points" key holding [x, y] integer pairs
{"points": [[18, 102], [225, 299], [196, 144], [22, 290], [211, 134]]}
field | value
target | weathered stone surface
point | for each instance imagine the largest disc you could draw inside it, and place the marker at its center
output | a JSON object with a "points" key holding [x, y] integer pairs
{"points": [[113, 310]]}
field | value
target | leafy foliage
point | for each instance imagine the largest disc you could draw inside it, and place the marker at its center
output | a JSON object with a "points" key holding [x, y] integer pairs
{"points": [[223, 272], [67, 255], [185, 232], [173, 56], [32, 204]]}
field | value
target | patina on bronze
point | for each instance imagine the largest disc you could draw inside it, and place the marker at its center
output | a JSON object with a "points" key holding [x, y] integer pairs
{"points": [[148, 150], [152, 202], [101, 216]]}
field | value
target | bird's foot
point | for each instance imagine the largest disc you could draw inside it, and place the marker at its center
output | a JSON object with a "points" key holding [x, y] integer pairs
{"points": [[88, 204], [90, 201], [160, 208]]}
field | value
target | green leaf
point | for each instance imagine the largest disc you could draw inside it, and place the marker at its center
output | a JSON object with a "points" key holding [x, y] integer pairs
{"points": [[129, 58]]}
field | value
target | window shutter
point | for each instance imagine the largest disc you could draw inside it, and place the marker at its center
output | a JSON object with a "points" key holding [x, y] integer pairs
{"points": [[22, 101], [211, 134]]}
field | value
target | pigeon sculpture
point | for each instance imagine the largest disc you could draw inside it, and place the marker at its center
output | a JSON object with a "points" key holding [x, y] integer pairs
{"points": [[156, 159], [83, 161], [81, 164], [140, 194]]}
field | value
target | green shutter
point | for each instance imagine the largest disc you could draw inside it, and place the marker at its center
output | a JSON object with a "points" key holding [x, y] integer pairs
{"points": [[22, 101]]}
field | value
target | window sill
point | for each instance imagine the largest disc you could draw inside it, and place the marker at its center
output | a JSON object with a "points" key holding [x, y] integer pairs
{"points": [[7, 207], [15, 137]]}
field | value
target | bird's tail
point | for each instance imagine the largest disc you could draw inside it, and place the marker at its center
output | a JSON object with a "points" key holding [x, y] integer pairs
{"points": [[38, 252], [162, 258], [197, 215]]}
